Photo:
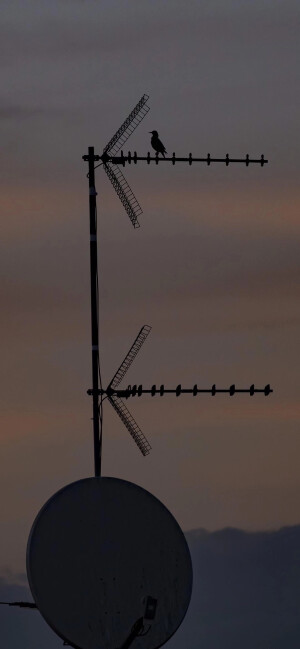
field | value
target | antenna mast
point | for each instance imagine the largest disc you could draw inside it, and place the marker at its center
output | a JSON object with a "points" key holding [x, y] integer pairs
{"points": [[133, 210], [94, 313]]}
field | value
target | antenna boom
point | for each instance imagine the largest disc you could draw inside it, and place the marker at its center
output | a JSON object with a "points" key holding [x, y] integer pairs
{"points": [[123, 159]]}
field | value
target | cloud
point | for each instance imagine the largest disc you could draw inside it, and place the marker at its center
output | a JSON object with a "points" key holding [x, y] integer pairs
{"points": [[22, 627], [246, 591], [8, 578]]}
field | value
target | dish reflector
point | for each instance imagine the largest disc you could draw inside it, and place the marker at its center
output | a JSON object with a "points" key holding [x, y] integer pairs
{"points": [[105, 560]]}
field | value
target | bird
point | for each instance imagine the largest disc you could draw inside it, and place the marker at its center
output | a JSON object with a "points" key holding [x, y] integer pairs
{"points": [[157, 144]]}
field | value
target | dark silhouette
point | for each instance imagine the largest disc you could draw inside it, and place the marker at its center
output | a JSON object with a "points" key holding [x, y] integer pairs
{"points": [[245, 596], [115, 394], [109, 160], [135, 632], [21, 604], [157, 144]]}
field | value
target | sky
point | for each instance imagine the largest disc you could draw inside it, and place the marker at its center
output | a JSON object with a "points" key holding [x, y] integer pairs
{"points": [[214, 268]]}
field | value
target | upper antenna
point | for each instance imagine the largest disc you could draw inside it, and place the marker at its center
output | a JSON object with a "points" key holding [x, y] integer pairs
{"points": [[110, 160]]}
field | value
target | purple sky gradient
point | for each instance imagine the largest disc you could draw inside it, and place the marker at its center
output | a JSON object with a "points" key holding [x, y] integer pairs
{"points": [[214, 268]]}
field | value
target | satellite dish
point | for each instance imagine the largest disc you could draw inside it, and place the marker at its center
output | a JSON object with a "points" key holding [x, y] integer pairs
{"points": [[108, 566]]}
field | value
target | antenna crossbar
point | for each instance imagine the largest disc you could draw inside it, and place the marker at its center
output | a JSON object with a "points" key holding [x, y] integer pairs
{"points": [[122, 159], [124, 192], [130, 423], [129, 125], [129, 358], [138, 390]]}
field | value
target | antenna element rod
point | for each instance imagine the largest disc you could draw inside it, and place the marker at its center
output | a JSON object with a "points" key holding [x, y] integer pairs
{"points": [[94, 309]]}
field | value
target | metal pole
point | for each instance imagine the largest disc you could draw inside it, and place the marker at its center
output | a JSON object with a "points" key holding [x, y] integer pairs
{"points": [[94, 310]]}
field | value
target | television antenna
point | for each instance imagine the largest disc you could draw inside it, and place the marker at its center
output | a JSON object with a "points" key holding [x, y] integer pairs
{"points": [[110, 162], [93, 526]]}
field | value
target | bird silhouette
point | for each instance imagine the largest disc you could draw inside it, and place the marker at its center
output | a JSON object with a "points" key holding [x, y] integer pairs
{"points": [[157, 144]]}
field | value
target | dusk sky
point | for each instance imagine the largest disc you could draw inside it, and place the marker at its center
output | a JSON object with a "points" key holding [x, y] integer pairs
{"points": [[214, 267]]}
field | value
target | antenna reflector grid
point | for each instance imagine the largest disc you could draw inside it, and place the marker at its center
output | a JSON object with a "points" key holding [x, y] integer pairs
{"points": [[124, 192], [130, 423], [129, 358], [129, 125]]}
